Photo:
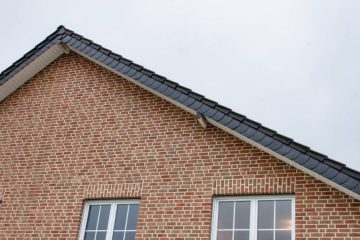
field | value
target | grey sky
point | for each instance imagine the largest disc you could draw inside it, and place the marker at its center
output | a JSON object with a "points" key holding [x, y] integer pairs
{"points": [[291, 65]]}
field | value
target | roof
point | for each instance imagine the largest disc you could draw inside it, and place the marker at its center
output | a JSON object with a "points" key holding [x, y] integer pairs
{"points": [[302, 157]]}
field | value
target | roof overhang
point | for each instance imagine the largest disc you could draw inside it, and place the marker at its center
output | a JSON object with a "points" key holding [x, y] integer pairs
{"points": [[30, 70]]}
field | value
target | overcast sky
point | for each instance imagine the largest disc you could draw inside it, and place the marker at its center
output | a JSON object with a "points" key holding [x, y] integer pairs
{"points": [[292, 65]]}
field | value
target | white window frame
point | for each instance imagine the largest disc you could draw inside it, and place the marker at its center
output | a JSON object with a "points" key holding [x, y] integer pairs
{"points": [[112, 215], [253, 212]]}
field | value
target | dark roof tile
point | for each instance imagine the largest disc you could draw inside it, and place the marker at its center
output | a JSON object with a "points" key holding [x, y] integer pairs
{"points": [[340, 178], [125, 61], [283, 139], [92, 53], [86, 41], [149, 81], [292, 154], [223, 109], [103, 57], [356, 189], [258, 136], [82, 47], [196, 96], [249, 132], [275, 145], [162, 88], [335, 164], [208, 102], [183, 89], [189, 101], [210, 112], [143, 78], [97, 55], [105, 51], [168, 91], [233, 124], [95, 46], [330, 173], [147, 72], [267, 131], [299, 147], [125, 69], [115, 56], [311, 164], [351, 172], [203, 108], [316, 155], [72, 41], [76, 44], [251, 123], [66, 39], [241, 128], [87, 50], [266, 141], [320, 168], [131, 73], [218, 116], [195, 105], [158, 78], [170, 83], [76, 36], [175, 94], [137, 75], [225, 120], [182, 98], [155, 84], [350, 183], [237, 116], [301, 159], [285, 149], [113, 63], [119, 67]]}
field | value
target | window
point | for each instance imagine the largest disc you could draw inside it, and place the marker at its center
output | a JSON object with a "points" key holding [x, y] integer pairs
{"points": [[109, 220], [253, 218]]}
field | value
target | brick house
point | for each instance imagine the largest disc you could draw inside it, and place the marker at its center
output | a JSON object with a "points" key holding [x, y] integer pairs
{"points": [[92, 147]]}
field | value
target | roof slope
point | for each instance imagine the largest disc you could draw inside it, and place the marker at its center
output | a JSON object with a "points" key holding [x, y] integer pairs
{"points": [[319, 165]]}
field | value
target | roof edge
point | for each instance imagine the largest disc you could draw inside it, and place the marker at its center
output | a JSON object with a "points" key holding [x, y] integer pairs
{"points": [[335, 173]]}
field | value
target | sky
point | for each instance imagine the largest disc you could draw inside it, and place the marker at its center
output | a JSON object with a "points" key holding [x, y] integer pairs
{"points": [[293, 66]]}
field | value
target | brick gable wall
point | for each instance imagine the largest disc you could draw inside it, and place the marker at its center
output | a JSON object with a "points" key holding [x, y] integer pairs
{"points": [[77, 131]]}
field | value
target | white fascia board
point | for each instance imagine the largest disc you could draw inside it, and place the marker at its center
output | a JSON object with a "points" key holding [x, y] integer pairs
{"points": [[30, 70]]}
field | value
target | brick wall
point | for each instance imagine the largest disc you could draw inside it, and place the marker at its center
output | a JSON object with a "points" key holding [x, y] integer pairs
{"points": [[76, 131]]}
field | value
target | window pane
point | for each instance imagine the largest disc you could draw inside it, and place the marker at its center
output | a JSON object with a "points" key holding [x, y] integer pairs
{"points": [[118, 236], [266, 214], [130, 236], [92, 217], [120, 218], [241, 235], [242, 215], [283, 235], [133, 216], [224, 235], [100, 235], [226, 213], [104, 217], [283, 214], [89, 236], [265, 235]]}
